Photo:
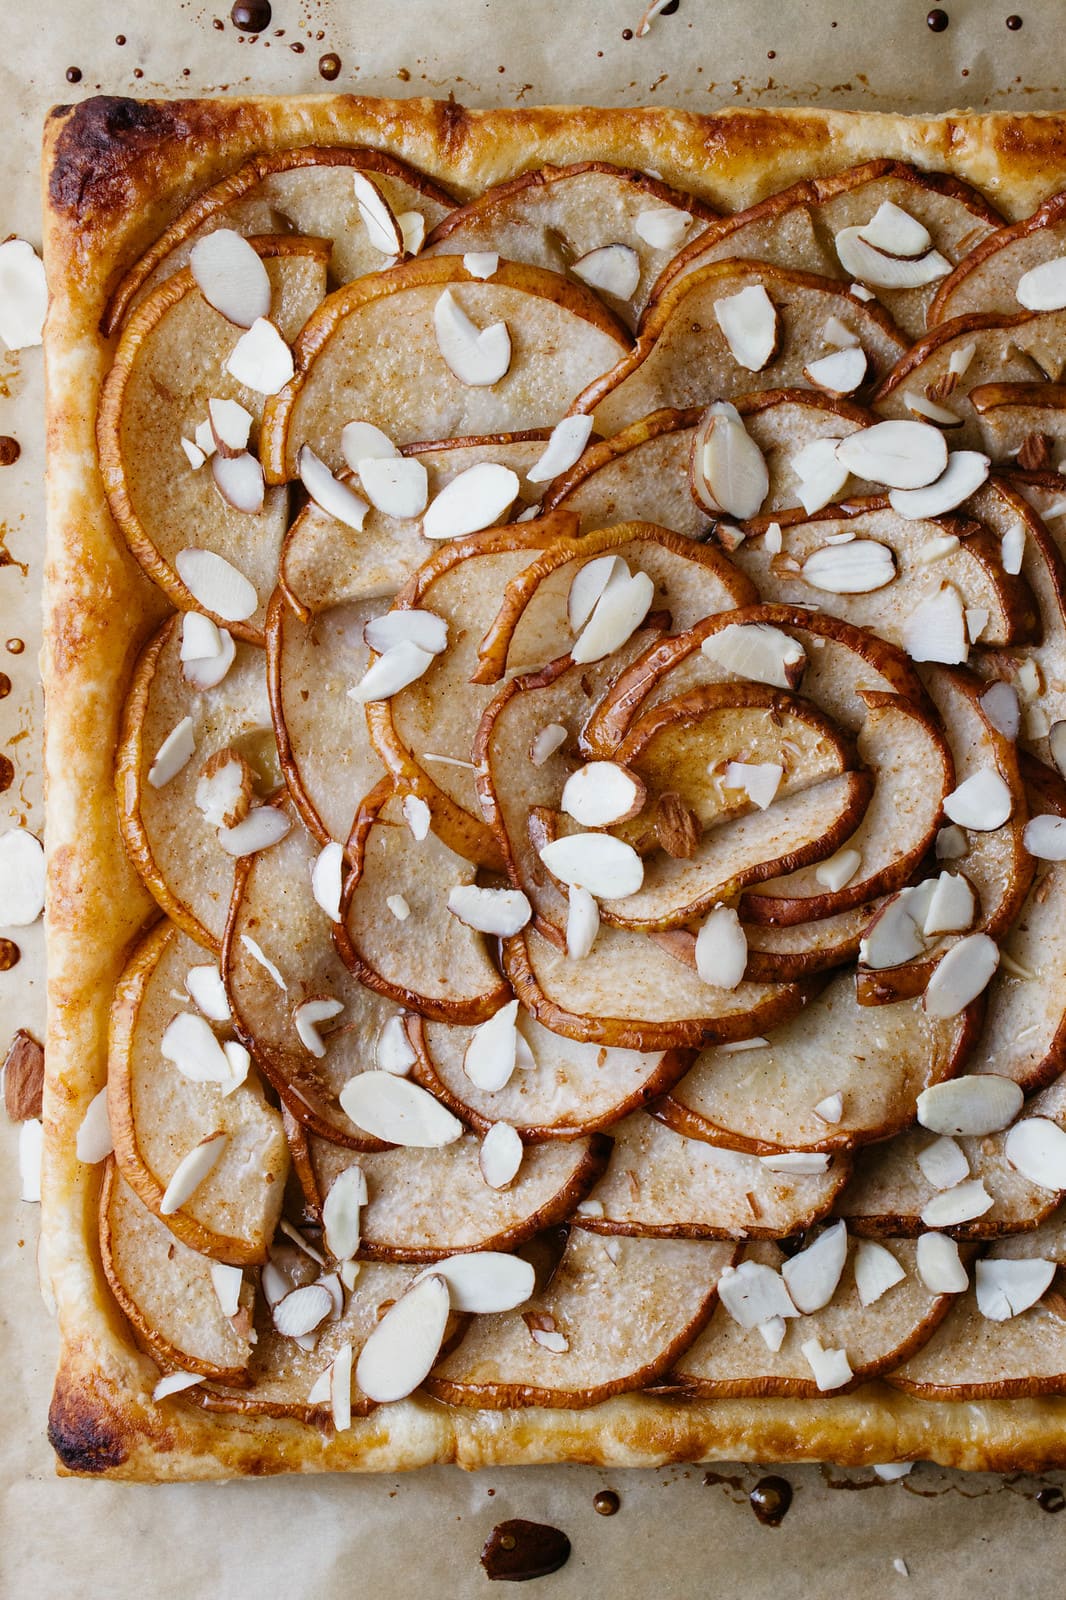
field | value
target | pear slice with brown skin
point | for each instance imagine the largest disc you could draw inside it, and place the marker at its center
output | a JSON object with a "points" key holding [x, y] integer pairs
{"points": [[624, 1308], [553, 216], [1022, 422], [661, 1184], [796, 227], [630, 993], [425, 1205], [158, 1115], [166, 1291], [169, 363], [274, 908], [764, 1100], [163, 829], [350, 363], [729, 1360], [431, 962], [307, 191], [986, 279], [800, 950], [671, 365]]}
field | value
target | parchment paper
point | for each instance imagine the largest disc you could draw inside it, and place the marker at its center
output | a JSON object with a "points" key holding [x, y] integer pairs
{"points": [[675, 1535]]}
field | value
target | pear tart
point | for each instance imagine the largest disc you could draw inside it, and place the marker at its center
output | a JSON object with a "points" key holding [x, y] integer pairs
{"points": [[556, 679]]}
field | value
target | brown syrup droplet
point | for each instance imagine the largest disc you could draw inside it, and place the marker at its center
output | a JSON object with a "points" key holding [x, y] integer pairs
{"points": [[297, 49], [16, 646], [1051, 1499], [10, 450], [1014, 23], [120, 38], [329, 66], [251, 16], [219, 24], [606, 1502], [7, 774], [5, 685], [669, 8], [73, 74], [137, 72], [770, 1500], [10, 955], [518, 1550], [937, 21], [627, 33]]}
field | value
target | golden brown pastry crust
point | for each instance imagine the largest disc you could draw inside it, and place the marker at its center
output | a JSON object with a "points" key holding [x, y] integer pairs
{"points": [[116, 173]]}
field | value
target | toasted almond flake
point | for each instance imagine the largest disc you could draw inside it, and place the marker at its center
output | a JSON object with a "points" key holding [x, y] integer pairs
{"points": [[412, 226], [943, 1163], [602, 793], [478, 498], [951, 843], [230, 425], [737, 1046], [607, 867], [590, 582], [239, 480], [307, 1019], [754, 1294], [721, 949], [749, 325], [940, 1265], [341, 1210], [976, 622], [423, 628], [22, 878], [772, 1333], [94, 1141], [797, 1162], [839, 373], [484, 1282], [873, 266], [227, 1283], [207, 651], [861, 292], [772, 538], [1000, 705], [758, 652], [1036, 1147], [500, 1155], [301, 1242], [393, 1109], [402, 1349], [491, 1054], [262, 827], [327, 880], [614, 269], [582, 922], [617, 614], [961, 1203], [1007, 1288], [728, 470], [858, 567], [364, 441], [478, 357], [900, 454], [302, 1310], [944, 544], [501, 912], [900, 1566], [961, 976], [920, 405], [811, 1276], [259, 955], [23, 295], [568, 439], [960, 358], [759, 780], [328, 493], [173, 755], [549, 739], [550, 1339], [481, 263], [416, 814], [261, 360], [191, 1171], [1045, 837], [895, 232], [964, 474], [205, 439], [952, 906], [340, 1387], [394, 1052], [1057, 742], [831, 1367], [936, 629], [402, 664], [223, 791], [175, 1383], [663, 228], [231, 276], [448, 761], [398, 906], [838, 870], [831, 1109], [397, 486], [982, 801], [838, 334], [348, 1272], [821, 473], [876, 1271], [193, 454], [382, 230], [216, 584], [1043, 287], [190, 1043], [894, 936]]}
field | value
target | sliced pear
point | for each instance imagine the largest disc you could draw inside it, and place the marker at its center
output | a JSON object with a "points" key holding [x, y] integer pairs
{"points": [[158, 1115], [350, 363], [660, 1184], [671, 365], [436, 965], [170, 362], [765, 1099], [553, 216], [309, 192], [164, 830], [623, 1311], [1022, 422], [804, 948], [730, 1360], [428, 1204], [629, 993], [166, 1289], [987, 278]]}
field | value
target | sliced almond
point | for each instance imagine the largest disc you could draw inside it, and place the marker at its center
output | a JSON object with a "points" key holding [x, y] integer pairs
{"points": [[547, 741], [363, 441], [1043, 287], [952, 907], [812, 1275], [1045, 837], [193, 454], [963, 974], [876, 1271], [485, 1282], [936, 629], [601, 793], [327, 880], [974, 1105], [227, 1283], [398, 486], [582, 922], [749, 325], [838, 334], [840, 373], [23, 295], [895, 232], [412, 226], [619, 611], [831, 1368], [173, 755], [859, 567], [872, 266], [478, 498], [382, 229], [1012, 548], [205, 439], [500, 1155], [341, 1212], [1007, 1288], [239, 480], [224, 789], [964, 474], [423, 628], [772, 1333], [548, 1338], [391, 1108], [402, 1349], [417, 815], [663, 228], [590, 582], [895, 935], [758, 652], [921, 406], [333, 497], [231, 426], [231, 276], [302, 1310], [500, 912], [478, 357], [721, 949], [492, 1052], [261, 360], [191, 1171], [1000, 705], [940, 1265], [399, 907], [191, 1044], [728, 470], [208, 993], [568, 439], [262, 827], [831, 1109], [982, 801], [900, 454], [207, 651], [175, 1383], [340, 1387], [94, 1141], [754, 1294], [481, 263], [962, 1203], [797, 1162], [951, 843], [612, 268], [822, 475], [1036, 1147], [608, 868], [401, 664], [759, 780], [259, 955], [307, 1019], [838, 870], [216, 584]]}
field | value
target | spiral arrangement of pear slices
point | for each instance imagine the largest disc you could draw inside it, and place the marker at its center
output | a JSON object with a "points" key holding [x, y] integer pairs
{"points": [[603, 778]]}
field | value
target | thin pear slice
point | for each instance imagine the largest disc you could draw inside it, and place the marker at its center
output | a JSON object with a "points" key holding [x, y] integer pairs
{"points": [[431, 962], [351, 364], [660, 1184], [171, 360], [764, 1100], [308, 191], [889, 1190], [671, 365], [562, 1089], [1023, 422], [323, 743], [730, 1360], [971, 1357], [166, 1289], [275, 918], [796, 227], [974, 569], [283, 1374], [987, 278], [553, 216], [804, 948], [170, 841], [428, 1204], [324, 562], [629, 993], [158, 1115], [623, 1311]]}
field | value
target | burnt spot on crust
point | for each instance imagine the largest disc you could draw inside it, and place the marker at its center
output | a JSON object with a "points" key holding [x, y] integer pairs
{"points": [[84, 1437], [100, 144]]}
